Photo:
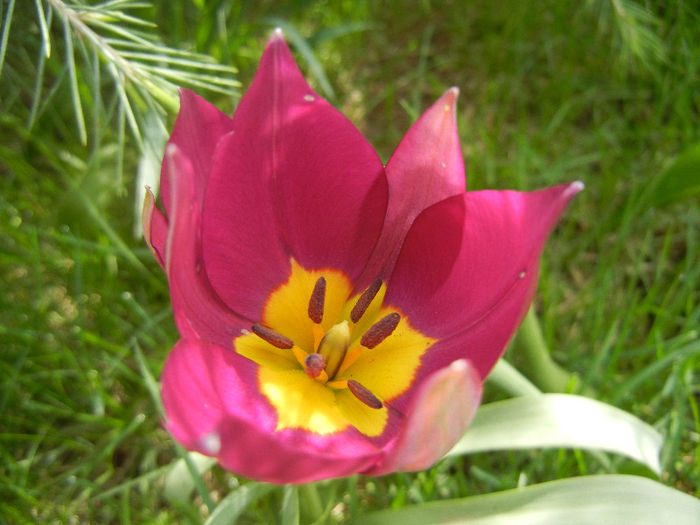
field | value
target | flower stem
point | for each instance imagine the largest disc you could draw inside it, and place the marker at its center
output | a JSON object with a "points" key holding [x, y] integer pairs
{"points": [[532, 356], [311, 501]]}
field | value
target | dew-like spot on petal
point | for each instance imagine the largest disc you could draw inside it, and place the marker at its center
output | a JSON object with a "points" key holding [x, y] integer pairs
{"points": [[211, 443]]}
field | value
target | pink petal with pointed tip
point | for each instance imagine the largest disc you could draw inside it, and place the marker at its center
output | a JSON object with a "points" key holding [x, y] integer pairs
{"points": [[296, 179], [437, 418], [198, 128], [426, 168], [212, 405], [198, 311], [155, 227], [468, 269]]}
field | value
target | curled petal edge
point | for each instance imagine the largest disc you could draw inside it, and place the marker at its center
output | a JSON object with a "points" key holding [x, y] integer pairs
{"points": [[155, 227]]}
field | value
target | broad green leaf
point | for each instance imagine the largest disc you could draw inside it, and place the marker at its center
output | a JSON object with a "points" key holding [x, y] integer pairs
{"points": [[179, 483], [560, 421], [590, 500], [233, 505]]}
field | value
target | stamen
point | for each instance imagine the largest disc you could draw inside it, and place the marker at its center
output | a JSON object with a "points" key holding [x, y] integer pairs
{"points": [[364, 395], [317, 300], [365, 300], [272, 337], [314, 365], [380, 330]]}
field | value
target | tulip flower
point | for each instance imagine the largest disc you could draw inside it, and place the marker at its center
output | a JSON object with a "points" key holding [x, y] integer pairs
{"points": [[337, 316]]}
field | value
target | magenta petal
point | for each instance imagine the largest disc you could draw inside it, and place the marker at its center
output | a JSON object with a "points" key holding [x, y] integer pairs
{"points": [[212, 405], [468, 269], [296, 179], [426, 168], [199, 312], [437, 418], [198, 128]]}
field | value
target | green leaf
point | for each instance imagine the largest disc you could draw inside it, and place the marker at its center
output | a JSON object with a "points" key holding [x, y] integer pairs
{"points": [[560, 421], [508, 378], [233, 505], [591, 500], [179, 483]]}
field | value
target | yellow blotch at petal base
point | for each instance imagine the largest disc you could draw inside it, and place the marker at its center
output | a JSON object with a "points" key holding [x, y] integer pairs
{"points": [[325, 405], [301, 402], [388, 369], [286, 311]]}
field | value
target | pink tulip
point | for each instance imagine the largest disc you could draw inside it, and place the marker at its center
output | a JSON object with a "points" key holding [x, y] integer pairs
{"points": [[336, 315]]}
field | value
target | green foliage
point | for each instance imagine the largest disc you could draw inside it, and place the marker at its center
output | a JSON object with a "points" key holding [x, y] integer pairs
{"points": [[605, 92], [608, 500]]}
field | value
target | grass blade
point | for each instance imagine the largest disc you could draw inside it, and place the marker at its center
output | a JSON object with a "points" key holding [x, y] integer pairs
{"points": [[6, 24], [73, 80]]}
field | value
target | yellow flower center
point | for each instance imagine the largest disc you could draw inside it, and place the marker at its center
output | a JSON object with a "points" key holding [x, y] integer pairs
{"points": [[329, 360]]}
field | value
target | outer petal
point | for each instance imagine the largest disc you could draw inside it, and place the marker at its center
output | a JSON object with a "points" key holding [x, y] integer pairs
{"points": [[198, 128], [213, 406], [468, 269], [296, 179], [426, 168], [438, 417], [155, 227], [199, 312]]}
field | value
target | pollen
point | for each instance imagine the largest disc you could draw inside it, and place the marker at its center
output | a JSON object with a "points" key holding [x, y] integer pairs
{"points": [[364, 395], [365, 300], [380, 330], [272, 337], [317, 301]]}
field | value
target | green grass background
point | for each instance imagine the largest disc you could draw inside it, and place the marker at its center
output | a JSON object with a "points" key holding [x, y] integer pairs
{"points": [[606, 92]]}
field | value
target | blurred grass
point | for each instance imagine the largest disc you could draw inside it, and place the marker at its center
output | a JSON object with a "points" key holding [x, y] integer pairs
{"points": [[604, 92]]}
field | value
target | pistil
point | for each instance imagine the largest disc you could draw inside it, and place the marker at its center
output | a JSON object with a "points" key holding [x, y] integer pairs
{"points": [[314, 365], [334, 346]]}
